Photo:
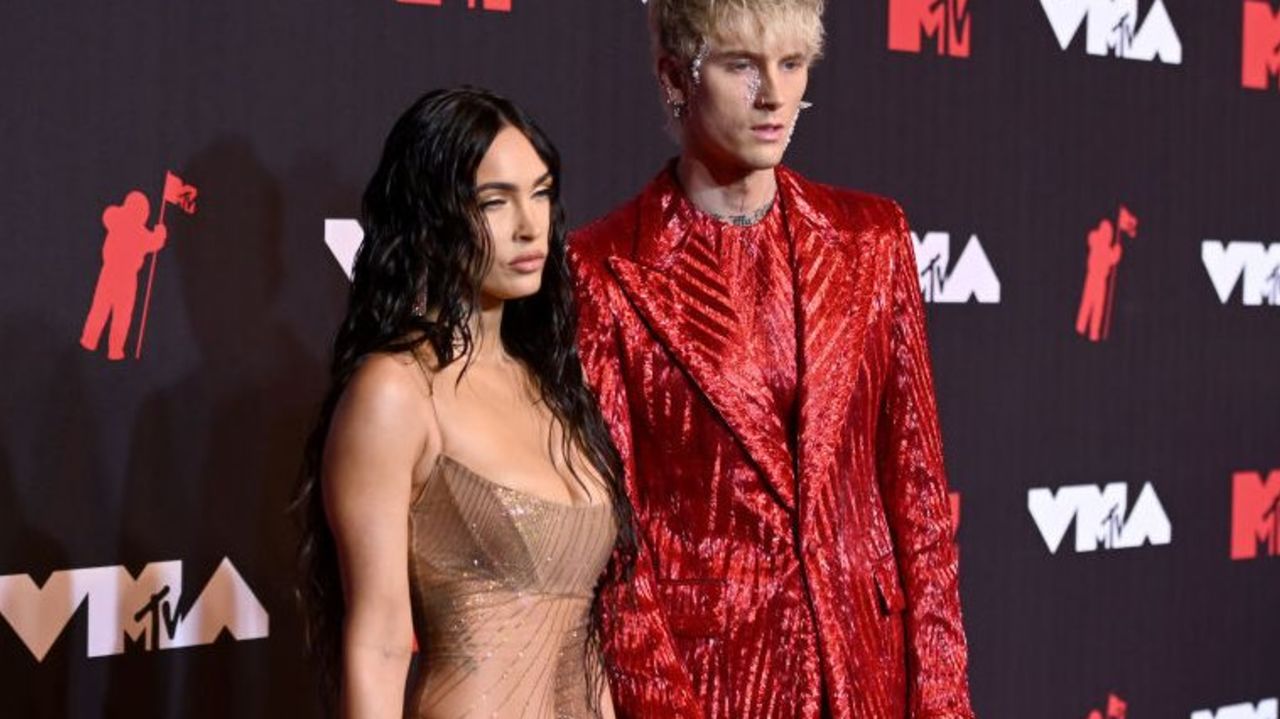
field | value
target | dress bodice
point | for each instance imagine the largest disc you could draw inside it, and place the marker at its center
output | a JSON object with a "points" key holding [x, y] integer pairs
{"points": [[502, 583]]}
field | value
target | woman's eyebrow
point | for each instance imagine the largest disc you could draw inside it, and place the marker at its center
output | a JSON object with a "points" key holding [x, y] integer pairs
{"points": [[511, 187]]}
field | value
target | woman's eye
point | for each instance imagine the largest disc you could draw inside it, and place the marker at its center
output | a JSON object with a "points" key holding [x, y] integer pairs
{"points": [[739, 66], [491, 204], [545, 193]]}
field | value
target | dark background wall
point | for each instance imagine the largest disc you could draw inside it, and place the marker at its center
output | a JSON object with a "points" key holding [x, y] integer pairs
{"points": [[276, 113]]}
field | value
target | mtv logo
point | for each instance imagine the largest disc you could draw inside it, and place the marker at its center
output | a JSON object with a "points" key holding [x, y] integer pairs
{"points": [[1259, 264], [490, 5], [1101, 516], [1255, 514], [1261, 47], [972, 277], [955, 513], [1111, 28], [946, 21], [1265, 709]]}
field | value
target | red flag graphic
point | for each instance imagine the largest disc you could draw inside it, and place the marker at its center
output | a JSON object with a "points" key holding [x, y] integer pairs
{"points": [[179, 193], [1128, 222]]}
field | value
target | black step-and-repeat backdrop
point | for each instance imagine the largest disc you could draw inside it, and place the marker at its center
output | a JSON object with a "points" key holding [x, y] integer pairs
{"points": [[1093, 187]]}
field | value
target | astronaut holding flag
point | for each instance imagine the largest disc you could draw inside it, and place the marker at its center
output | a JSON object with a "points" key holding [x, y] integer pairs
{"points": [[127, 244]]}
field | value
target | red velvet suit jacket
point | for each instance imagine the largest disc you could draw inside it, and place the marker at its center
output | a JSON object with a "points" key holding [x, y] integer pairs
{"points": [[767, 579]]}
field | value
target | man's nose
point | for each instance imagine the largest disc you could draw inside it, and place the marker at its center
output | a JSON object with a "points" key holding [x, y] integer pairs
{"points": [[767, 92]]}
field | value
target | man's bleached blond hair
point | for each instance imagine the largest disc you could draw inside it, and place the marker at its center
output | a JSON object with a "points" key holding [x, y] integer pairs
{"points": [[679, 28]]}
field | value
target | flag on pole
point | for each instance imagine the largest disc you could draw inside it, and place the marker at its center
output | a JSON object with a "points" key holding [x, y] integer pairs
{"points": [[1128, 223], [177, 192]]}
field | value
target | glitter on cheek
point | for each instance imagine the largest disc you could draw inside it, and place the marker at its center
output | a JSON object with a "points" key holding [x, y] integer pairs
{"points": [[791, 131], [753, 84]]}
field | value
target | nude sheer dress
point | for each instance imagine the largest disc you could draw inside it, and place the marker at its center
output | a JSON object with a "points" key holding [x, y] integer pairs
{"points": [[501, 584]]}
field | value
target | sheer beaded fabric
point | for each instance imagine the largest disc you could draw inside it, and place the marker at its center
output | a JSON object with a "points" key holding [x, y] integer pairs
{"points": [[501, 585]]}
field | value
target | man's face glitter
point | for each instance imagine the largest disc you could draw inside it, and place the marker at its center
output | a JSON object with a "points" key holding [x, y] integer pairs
{"points": [[752, 82], [695, 65], [804, 105], [744, 99]]}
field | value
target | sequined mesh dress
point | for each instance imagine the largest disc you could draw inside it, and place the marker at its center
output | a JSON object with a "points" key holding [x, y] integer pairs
{"points": [[501, 584]]}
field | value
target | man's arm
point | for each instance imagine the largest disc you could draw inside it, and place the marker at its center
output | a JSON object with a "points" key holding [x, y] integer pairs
{"points": [[913, 482], [646, 675]]}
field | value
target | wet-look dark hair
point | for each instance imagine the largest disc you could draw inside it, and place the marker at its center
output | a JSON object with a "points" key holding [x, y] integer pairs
{"points": [[417, 282]]}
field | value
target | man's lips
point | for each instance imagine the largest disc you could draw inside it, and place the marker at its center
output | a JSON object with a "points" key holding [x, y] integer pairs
{"points": [[768, 131]]}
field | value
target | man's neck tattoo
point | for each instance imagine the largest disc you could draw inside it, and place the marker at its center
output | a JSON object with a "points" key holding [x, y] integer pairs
{"points": [[748, 219]]}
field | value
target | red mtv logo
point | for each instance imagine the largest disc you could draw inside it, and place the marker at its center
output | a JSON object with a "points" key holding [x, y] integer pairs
{"points": [[1255, 514], [1261, 55], [946, 21], [490, 5], [1097, 302], [1116, 709], [955, 513]]}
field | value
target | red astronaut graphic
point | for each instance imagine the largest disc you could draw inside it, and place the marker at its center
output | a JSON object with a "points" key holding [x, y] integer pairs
{"points": [[490, 5], [1105, 250], [127, 244], [1116, 709]]}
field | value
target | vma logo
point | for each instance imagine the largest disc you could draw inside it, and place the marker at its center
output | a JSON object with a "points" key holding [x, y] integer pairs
{"points": [[946, 21], [1266, 709], [1255, 515], [971, 278], [490, 5], [1258, 263], [1116, 709], [1093, 320], [147, 609], [1101, 516], [1261, 48], [343, 238], [1112, 28]]}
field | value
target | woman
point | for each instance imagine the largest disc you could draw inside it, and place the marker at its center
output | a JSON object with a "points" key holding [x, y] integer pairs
{"points": [[461, 487]]}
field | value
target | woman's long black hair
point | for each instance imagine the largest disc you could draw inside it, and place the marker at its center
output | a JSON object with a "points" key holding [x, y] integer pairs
{"points": [[426, 247]]}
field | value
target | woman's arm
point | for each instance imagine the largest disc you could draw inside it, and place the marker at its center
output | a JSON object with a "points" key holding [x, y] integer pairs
{"points": [[382, 429]]}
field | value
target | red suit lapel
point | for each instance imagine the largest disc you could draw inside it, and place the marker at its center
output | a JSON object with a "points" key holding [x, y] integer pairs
{"points": [[836, 281], [678, 290]]}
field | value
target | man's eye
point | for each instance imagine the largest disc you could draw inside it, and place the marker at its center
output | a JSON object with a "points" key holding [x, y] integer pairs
{"points": [[739, 66]]}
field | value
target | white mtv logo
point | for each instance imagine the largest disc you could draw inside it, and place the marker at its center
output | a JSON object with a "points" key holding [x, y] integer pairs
{"points": [[145, 608], [1258, 263], [971, 278], [1111, 27], [1266, 709], [1100, 516]]}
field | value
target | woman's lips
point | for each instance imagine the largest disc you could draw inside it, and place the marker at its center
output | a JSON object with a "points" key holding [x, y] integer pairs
{"points": [[529, 263]]}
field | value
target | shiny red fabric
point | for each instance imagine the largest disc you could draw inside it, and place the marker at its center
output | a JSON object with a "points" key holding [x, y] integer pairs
{"points": [[771, 582]]}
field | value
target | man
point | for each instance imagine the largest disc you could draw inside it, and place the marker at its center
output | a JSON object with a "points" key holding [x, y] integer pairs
{"points": [[757, 345]]}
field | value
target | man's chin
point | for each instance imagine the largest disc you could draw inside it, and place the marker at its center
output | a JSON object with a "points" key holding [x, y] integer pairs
{"points": [[758, 160]]}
